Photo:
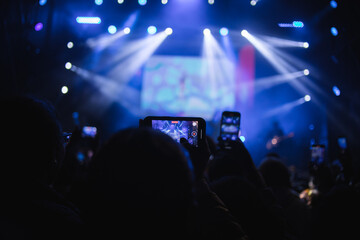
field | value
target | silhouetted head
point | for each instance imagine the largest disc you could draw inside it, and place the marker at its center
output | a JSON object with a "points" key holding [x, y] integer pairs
{"points": [[141, 178], [32, 146], [275, 172]]}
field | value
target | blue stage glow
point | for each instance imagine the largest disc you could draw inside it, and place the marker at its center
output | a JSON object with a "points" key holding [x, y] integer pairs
{"points": [[336, 91], [224, 31], [98, 2], [298, 24], [334, 31], [42, 2], [333, 4], [142, 2], [242, 138], [152, 30], [88, 20], [112, 29]]}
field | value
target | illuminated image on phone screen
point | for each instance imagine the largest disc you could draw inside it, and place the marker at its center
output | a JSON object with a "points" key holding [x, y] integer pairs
{"points": [[230, 127], [179, 129]]}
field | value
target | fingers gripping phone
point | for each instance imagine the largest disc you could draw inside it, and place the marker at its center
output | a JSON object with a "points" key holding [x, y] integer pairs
{"points": [[230, 126], [193, 129]]}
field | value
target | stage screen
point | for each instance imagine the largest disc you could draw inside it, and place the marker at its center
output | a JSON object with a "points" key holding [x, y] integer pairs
{"points": [[187, 86]]}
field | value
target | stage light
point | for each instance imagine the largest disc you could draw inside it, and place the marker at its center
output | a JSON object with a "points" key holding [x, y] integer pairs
{"points": [[244, 33], [307, 98], [98, 2], [253, 2], [224, 31], [152, 30], [120, 1], [64, 90], [306, 72], [42, 2], [168, 31], [164, 1], [242, 138], [68, 65], [207, 32], [112, 29], [333, 4], [70, 45], [142, 2], [127, 30], [306, 45], [88, 20], [211, 2], [334, 31], [298, 24], [336, 91], [39, 26]]}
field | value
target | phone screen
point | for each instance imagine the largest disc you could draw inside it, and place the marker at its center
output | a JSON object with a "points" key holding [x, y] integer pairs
{"points": [[179, 129], [317, 154], [230, 126]]}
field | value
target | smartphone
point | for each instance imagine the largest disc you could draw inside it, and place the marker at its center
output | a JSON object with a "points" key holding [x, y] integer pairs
{"points": [[317, 154], [230, 126], [89, 131], [193, 129]]}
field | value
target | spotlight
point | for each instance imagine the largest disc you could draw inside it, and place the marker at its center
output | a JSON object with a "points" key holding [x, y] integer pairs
{"points": [[64, 90], [306, 72], [336, 91], [120, 1], [298, 24], [68, 65], [142, 2], [42, 2], [224, 31], [112, 29], [98, 2], [88, 20], [127, 30], [244, 33], [253, 2], [39, 26], [207, 32], [168, 31], [333, 4], [242, 138], [152, 30], [164, 1], [306, 45], [334, 31], [307, 98], [70, 45], [211, 2]]}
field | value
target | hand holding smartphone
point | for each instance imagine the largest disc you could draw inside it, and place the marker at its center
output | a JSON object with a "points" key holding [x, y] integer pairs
{"points": [[193, 129], [229, 126]]}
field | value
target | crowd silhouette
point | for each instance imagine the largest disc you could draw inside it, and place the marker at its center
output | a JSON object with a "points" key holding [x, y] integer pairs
{"points": [[140, 183]]}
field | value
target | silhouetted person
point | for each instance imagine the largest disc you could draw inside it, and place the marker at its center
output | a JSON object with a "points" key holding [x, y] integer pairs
{"points": [[235, 179], [297, 213], [141, 185], [32, 151]]}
